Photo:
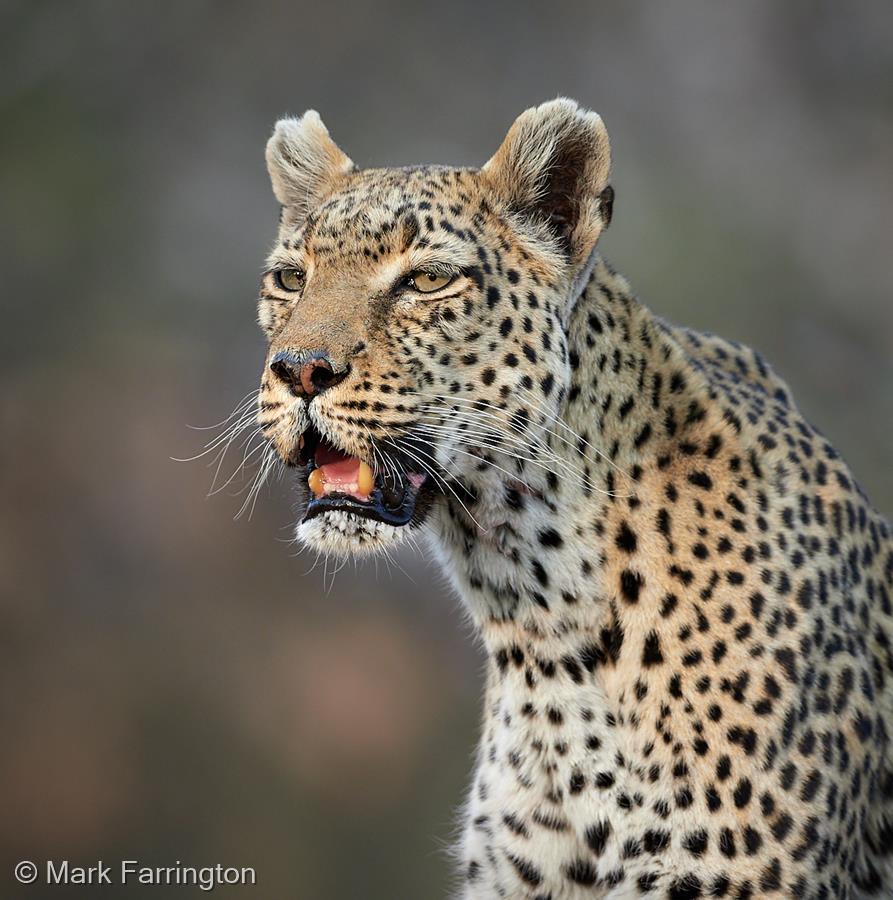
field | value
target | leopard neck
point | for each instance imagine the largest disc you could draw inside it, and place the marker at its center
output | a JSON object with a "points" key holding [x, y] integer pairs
{"points": [[635, 394], [522, 551]]}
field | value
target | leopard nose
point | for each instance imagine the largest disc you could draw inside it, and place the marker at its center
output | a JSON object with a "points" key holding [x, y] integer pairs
{"points": [[306, 374]]}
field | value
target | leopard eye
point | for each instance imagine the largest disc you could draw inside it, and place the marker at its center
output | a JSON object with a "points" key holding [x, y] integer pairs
{"points": [[428, 282], [290, 279]]}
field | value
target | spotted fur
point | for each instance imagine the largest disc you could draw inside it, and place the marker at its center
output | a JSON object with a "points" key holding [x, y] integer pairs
{"points": [[684, 595]]}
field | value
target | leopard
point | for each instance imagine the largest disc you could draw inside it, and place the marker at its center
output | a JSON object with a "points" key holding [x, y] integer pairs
{"points": [[682, 594]]}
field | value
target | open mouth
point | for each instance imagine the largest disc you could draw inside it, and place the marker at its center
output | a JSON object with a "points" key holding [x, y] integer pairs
{"points": [[340, 482]]}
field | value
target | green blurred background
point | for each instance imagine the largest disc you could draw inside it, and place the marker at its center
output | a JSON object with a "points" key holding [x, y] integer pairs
{"points": [[173, 685]]}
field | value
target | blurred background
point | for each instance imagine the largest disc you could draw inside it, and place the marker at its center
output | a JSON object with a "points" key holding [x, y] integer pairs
{"points": [[172, 684]]}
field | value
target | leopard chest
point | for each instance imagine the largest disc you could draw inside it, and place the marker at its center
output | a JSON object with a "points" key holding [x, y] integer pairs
{"points": [[556, 791]]}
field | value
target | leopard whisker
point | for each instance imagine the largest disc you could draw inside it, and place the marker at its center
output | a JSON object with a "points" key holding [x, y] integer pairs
{"points": [[439, 480], [248, 454], [493, 444], [244, 421], [266, 466], [248, 400], [559, 421], [533, 441], [488, 462], [559, 461]]}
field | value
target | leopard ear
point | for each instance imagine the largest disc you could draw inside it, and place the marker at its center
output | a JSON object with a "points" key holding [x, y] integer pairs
{"points": [[304, 163], [553, 169]]}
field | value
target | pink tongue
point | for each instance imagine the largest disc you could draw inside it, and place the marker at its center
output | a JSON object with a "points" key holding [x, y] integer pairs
{"points": [[341, 473]]}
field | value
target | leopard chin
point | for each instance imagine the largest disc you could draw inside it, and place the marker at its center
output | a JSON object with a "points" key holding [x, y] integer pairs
{"points": [[341, 534]]}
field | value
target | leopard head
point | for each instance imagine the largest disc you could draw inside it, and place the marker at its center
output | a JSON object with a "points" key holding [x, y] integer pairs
{"points": [[417, 317]]}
